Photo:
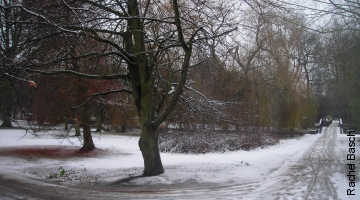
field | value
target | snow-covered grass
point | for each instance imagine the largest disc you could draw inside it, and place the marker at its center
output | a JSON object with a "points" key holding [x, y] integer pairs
{"points": [[118, 158], [121, 158]]}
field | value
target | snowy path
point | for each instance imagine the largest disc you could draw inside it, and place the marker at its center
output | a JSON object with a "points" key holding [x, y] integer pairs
{"points": [[311, 167], [309, 177]]}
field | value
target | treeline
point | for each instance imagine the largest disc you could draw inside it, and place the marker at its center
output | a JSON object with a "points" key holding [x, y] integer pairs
{"points": [[273, 71]]}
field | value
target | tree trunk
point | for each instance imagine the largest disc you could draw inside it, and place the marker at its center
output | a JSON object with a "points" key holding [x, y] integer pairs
{"points": [[98, 125], [100, 118], [7, 107], [7, 118], [77, 129], [66, 125], [148, 142], [123, 128], [88, 141], [149, 147]]}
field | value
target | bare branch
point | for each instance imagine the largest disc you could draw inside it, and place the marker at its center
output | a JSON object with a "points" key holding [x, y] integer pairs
{"points": [[102, 94], [70, 72]]}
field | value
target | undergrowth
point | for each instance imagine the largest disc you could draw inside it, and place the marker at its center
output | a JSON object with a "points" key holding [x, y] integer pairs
{"points": [[200, 141]]}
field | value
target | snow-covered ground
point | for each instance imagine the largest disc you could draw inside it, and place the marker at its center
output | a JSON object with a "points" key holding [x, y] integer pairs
{"points": [[246, 174]]}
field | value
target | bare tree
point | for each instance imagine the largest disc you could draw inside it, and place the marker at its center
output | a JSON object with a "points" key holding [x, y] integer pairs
{"points": [[140, 34], [17, 44], [346, 8]]}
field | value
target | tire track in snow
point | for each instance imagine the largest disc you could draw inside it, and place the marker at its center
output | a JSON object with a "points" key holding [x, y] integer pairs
{"points": [[321, 161], [310, 177]]}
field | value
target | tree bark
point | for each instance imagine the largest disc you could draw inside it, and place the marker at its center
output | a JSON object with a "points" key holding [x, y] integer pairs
{"points": [[7, 108], [7, 117], [88, 141], [143, 89], [123, 128], [148, 142], [77, 129], [149, 147], [100, 118], [66, 125]]}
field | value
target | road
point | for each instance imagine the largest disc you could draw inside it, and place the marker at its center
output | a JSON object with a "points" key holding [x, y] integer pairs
{"points": [[306, 178]]}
